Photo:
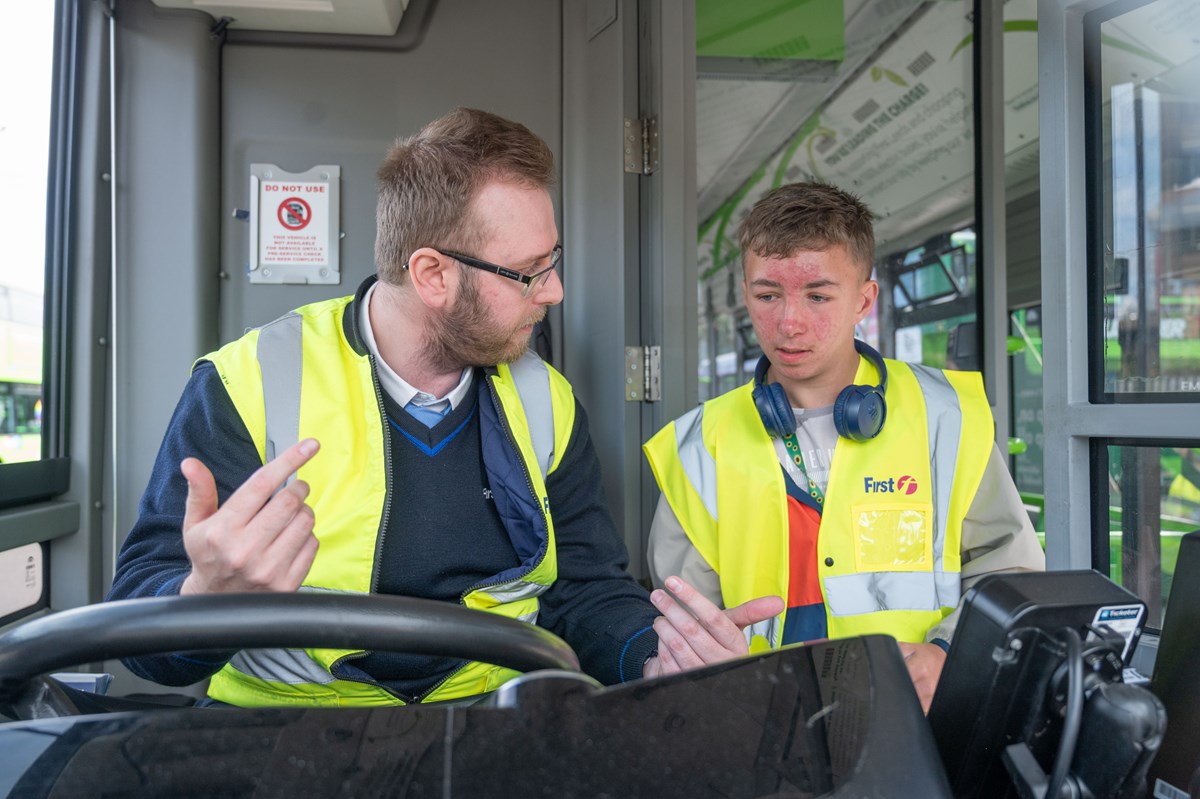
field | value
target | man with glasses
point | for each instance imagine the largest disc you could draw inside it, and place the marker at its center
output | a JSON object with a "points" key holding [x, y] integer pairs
{"points": [[453, 464]]}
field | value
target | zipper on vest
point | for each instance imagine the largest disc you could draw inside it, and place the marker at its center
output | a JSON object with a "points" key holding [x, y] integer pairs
{"points": [[414, 699], [387, 506], [545, 544], [387, 477], [373, 683], [383, 524], [421, 697], [512, 442]]}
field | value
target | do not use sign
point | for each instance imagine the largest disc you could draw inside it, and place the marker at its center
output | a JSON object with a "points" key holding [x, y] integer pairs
{"points": [[294, 237]]}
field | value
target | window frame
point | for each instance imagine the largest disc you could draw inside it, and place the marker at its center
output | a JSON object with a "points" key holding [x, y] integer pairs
{"points": [[22, 484], [1093, 87], [1073, 421]]}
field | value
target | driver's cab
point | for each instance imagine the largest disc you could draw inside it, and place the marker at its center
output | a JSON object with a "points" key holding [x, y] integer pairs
{"points": [[1029, 164]]}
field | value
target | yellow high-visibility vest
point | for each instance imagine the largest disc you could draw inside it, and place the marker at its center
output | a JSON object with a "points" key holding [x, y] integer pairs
{"points": [[888, 548], [302, 376]]}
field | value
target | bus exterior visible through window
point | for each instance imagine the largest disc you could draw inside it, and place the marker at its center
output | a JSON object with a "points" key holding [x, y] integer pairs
{"points": [[25, 84]]}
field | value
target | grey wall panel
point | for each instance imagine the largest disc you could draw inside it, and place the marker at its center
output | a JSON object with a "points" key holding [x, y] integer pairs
{"points": [[302, 106], [167, 175], [667, 67], [602, 314]]}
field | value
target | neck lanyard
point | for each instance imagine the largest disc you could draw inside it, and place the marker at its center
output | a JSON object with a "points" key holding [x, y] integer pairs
{"points": [[793, 448]]}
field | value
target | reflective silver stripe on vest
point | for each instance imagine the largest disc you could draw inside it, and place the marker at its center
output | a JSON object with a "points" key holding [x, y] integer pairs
{"points": [[280, 360], [770, 629], [514, 590], [852, 594], [697, 462], [532, 380], [945, 419], [289, 666]]}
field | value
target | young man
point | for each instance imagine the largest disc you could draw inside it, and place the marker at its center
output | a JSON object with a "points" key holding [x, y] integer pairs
{"points": [[453, 463], [869, 503]]}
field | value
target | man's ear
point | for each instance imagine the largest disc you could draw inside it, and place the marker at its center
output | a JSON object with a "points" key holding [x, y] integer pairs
{"points": [[434, 277]]}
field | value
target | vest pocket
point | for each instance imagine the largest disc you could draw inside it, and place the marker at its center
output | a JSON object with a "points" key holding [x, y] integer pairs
{"points": [[892, 536]]}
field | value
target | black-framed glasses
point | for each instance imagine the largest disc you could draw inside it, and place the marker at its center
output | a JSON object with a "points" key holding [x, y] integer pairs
{"points": [[531, 281]]}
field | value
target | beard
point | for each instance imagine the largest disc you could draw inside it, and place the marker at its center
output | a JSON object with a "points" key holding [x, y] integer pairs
{"points": [[466, 334]]}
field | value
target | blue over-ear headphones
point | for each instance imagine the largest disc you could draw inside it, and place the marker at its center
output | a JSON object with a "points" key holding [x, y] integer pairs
{"points": [[858, 412]]}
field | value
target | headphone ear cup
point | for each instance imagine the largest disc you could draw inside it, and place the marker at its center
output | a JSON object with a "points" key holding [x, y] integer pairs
{"points": [[859, 412], [774, 409]]}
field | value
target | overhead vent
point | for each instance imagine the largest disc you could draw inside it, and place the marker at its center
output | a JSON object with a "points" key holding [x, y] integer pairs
{"points": [[363, 17]]}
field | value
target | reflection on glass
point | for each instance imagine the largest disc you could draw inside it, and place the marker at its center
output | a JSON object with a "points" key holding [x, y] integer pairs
{"points": [[20, 374], [731, 337], [874, 97], [1153, 500], [1150, 93], [927, 301], [1025, 344]]}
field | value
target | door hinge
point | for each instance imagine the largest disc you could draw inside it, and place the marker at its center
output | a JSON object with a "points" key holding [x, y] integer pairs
{"points": [[643, 374], [641, 145]]}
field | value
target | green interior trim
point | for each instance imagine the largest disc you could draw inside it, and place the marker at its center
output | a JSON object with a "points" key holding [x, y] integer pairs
{"points": [[785, 161], [1135, 50], [726, 212], [1010, 26]]}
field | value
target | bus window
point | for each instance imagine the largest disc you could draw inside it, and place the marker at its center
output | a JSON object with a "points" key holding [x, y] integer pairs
{"points": [[1151, 206], [1151, 196], [1145, 342], [928, 300], [1153, 498], [24, 152]]}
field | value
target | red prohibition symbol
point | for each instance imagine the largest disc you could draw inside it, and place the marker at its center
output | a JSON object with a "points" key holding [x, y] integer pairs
{"points": [[294, 213]]}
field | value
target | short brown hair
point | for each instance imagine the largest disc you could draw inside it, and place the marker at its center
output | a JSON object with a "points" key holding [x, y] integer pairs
{"points": [[809, 216], [427, 183]]}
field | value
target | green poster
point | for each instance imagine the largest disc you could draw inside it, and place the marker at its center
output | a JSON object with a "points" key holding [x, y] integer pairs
{"points": [[811, 30]]}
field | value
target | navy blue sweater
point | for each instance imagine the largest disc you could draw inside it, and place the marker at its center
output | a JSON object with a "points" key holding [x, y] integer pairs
{"points": [[595, 605]]}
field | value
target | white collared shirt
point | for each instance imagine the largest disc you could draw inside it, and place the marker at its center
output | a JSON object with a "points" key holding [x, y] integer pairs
{"points": [[399, 389]]}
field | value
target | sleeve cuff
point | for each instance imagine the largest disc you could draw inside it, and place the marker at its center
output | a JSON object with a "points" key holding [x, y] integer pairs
{"points": [[637, 651], [171, 587], [943, 643]]}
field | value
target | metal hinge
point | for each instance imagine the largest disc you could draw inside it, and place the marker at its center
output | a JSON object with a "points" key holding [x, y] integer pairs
{"points": [[643, 374], [641, 145]]}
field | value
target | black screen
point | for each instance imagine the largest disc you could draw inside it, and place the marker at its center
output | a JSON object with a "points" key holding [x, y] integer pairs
{"points": [[1006, 651]]}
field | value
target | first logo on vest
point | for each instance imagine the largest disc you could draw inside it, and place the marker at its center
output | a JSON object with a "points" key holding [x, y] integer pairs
{"points": [[907, 484]]}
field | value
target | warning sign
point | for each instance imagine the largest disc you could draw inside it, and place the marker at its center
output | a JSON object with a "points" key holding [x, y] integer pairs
{"points": [[298, 231], [295, 230], [294, 213]]}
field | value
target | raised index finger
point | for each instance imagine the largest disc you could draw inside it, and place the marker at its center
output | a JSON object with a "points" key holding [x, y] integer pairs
{"points": [[251, 495], [711, 617]]}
